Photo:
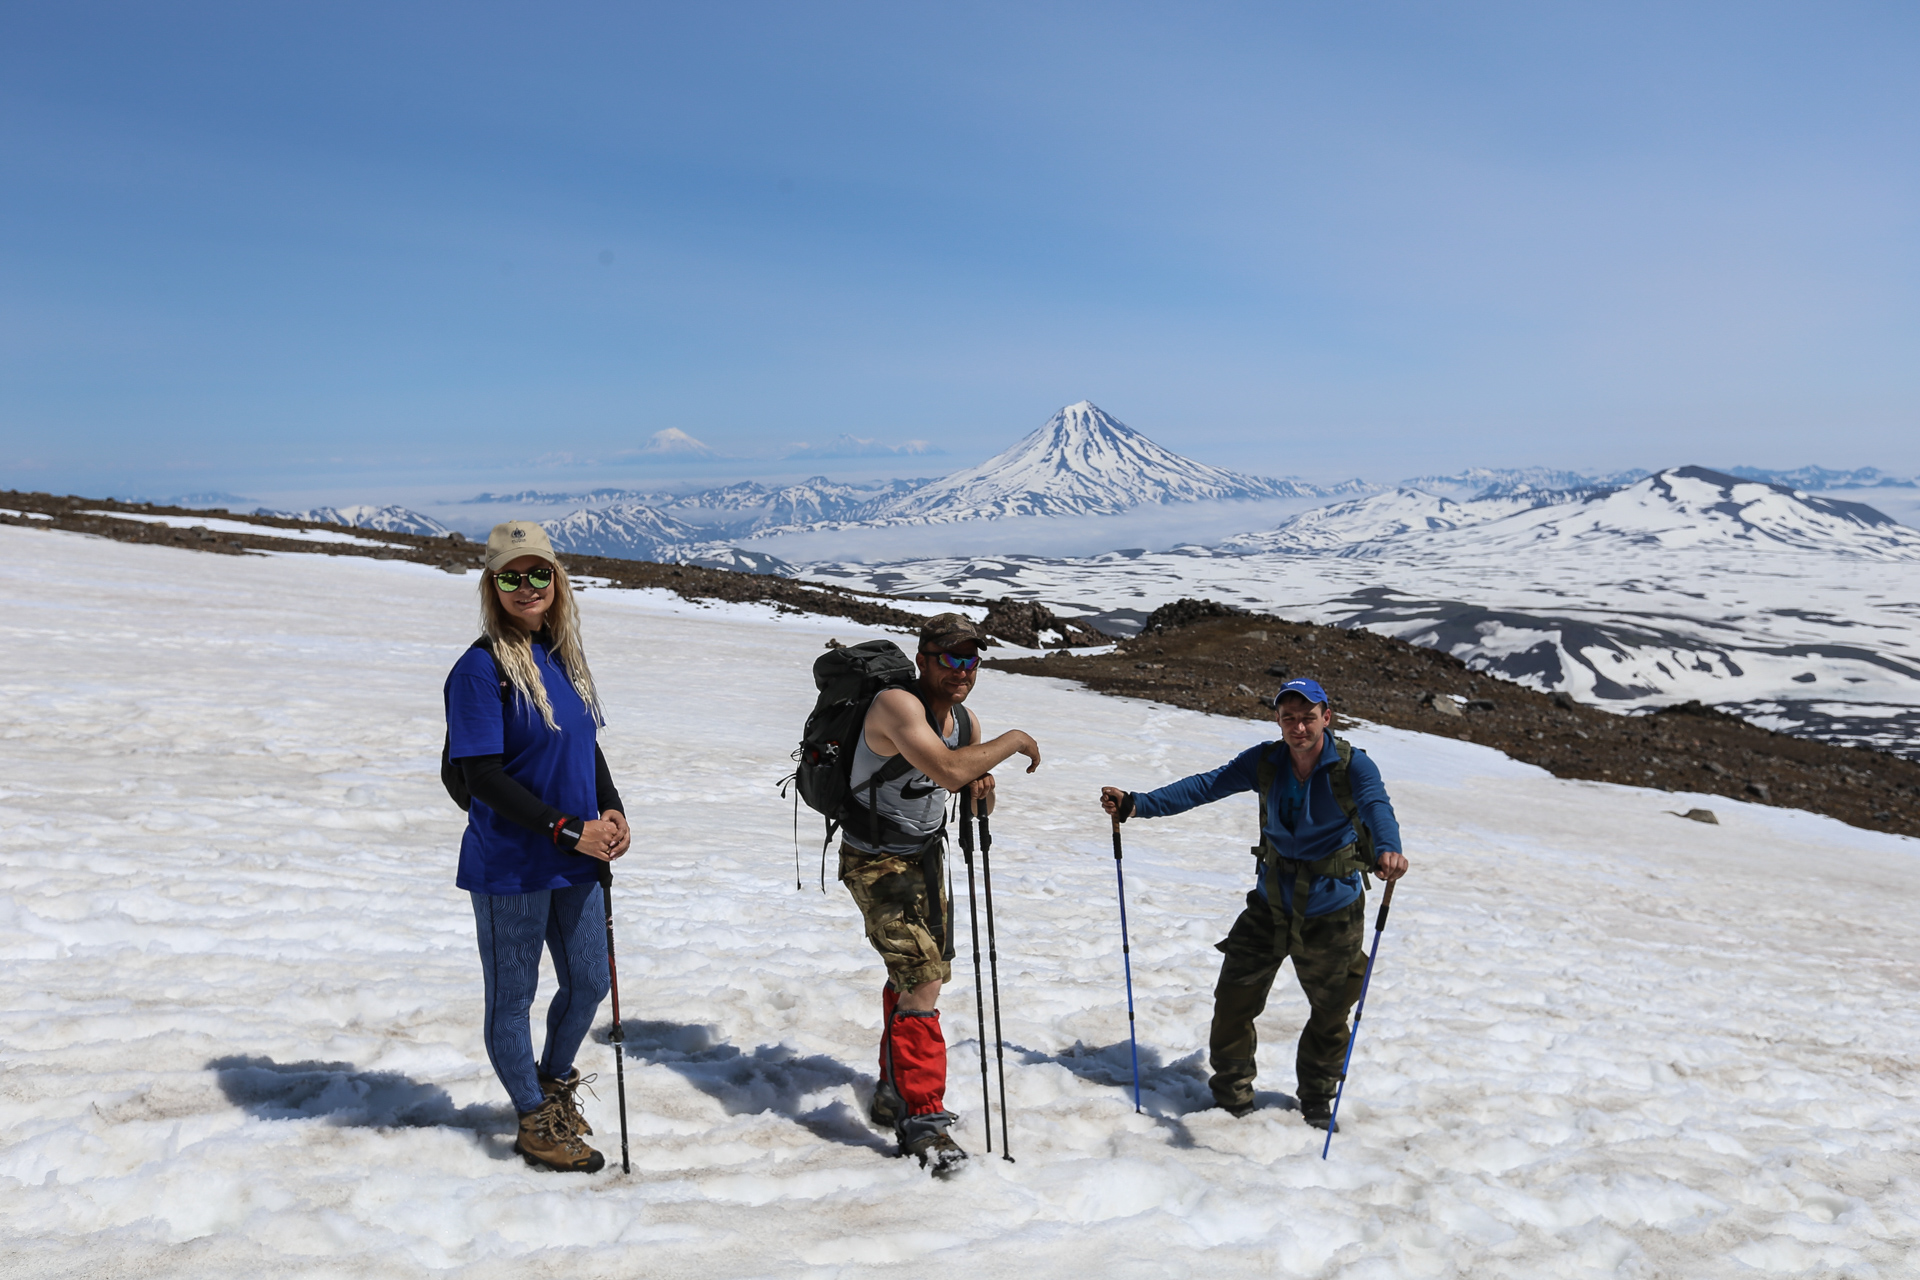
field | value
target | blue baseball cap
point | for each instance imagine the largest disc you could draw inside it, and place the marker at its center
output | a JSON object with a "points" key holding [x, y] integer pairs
{"points": [[1308, 689]]}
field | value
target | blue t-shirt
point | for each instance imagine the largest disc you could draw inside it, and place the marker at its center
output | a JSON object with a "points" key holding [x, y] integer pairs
{"points": [[502, 857], [1292, 797]]}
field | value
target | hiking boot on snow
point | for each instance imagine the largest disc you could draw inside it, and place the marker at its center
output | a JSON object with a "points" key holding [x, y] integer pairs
{"points": [[1238, 1110], [547, 1137], [567, 1089], [886, 1111], [1318, 1112], [926, 1138]]}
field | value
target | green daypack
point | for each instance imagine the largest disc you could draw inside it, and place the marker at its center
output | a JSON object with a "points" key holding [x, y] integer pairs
{"points": [[1342, 862]]}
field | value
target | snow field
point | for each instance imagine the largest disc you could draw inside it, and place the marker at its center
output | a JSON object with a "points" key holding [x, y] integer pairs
{"points": [[240, 1003]]}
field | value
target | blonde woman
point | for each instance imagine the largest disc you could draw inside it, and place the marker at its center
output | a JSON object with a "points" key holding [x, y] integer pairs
{"points": [[522, 716]]}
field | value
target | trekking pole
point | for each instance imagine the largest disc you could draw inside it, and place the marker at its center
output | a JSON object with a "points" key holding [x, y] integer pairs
{"points": [[1126, 958], [993, 968], [618, 1035], [1379, 927], [979, 993]]}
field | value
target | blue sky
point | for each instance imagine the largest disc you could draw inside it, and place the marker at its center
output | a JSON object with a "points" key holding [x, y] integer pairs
{"points": [[358, 251]]}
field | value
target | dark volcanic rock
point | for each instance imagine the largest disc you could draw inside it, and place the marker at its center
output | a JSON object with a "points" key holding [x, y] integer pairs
{"points": [[1210, 648], [1182, 613], [1022, 622]]}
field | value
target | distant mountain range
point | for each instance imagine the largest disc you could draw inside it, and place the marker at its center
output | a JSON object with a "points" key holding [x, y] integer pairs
{"points": [[387, 519], [1495, 482], [1821, 479], [1081, 462], [1686, 506]]}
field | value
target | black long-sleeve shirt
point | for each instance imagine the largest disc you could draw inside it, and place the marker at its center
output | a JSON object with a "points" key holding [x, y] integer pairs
{"points": [[489, 782]]}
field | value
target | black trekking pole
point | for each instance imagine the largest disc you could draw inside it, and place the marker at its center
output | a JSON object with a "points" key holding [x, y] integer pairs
{"points": [[1126, 958], [618, 1036], [993, 968], [979, 992], [1379, 927]]}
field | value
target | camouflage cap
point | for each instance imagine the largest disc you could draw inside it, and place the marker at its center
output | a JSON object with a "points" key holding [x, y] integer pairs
{"points": [[516, 538], [943, 631]]}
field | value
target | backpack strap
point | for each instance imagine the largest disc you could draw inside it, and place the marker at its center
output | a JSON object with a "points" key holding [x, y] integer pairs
{"points": [[499, 676], [1342, 862], [898, 766]]}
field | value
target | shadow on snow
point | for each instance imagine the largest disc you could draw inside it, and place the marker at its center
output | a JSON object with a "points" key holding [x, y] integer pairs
{"points": [[342, 1094], [1169, 1091], [770, 1078]]}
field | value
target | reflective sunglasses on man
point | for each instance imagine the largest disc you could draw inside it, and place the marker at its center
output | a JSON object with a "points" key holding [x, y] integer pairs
{"points": [[954, 662], [510, 579]]}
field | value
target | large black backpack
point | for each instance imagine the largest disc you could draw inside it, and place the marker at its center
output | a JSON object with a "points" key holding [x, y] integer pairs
{"points": [[452, 777], [848, 679]]}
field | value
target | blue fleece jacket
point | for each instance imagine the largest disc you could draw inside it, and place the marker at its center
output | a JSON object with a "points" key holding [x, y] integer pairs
{"points": [[1306, 829]]}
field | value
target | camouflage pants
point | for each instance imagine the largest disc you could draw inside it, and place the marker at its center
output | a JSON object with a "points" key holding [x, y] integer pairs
{"points": [[1330, 967], [909, 918]]}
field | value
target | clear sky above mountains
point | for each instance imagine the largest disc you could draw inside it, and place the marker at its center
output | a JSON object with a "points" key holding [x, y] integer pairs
{"points": [[361, 249]]}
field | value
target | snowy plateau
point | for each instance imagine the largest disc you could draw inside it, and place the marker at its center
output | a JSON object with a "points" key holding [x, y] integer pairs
{"points": [[240, 1013]]}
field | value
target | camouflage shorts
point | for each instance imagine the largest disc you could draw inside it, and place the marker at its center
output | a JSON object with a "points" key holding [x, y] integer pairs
{"points": [[909, 926]]}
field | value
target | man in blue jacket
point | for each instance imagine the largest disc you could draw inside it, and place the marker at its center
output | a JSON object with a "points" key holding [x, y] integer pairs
{"points": [[1324, 820]]}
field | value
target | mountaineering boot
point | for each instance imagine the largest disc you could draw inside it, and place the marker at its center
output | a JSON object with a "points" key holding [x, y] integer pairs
{"points": [[887, 1109], [1239, 1110], [547, 1138], [926, 1137], [1318, 1112], [566, 1088]]}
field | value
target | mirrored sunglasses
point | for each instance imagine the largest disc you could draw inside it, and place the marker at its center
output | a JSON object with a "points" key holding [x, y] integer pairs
{"points": [[510, 579], [954, 662]]}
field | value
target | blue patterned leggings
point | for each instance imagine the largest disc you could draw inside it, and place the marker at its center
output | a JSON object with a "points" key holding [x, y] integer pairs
{"points": [[570, 923]]}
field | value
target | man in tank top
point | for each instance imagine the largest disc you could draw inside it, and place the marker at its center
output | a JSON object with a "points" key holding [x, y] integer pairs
{"points": [[892, 861]]}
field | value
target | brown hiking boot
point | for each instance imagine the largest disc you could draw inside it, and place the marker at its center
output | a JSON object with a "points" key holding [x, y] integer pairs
{"points": [[567, 1089], [547, 1137]]}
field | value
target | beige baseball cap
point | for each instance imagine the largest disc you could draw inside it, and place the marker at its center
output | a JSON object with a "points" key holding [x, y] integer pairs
{"points": [[943, 631], [516, 538]]}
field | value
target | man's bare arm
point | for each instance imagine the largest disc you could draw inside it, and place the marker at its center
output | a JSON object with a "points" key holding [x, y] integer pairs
{"points": [[898, 726]]}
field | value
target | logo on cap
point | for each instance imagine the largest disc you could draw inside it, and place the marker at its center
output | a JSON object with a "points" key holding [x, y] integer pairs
{"points": [[519, 535], [1308, 689]]}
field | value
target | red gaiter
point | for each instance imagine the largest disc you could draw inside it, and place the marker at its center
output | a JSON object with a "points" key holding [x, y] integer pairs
{"points": [[919, 1060]]}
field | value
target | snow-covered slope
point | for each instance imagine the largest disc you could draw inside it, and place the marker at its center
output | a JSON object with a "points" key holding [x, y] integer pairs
{"points": [[630, 530], [242, 1001], [388, 519], [1682, 508], [1376, 518], [1794, 610], [1081, 462]]}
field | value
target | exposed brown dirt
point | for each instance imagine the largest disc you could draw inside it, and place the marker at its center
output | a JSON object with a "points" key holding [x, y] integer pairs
{"points": [[1229, 664]]}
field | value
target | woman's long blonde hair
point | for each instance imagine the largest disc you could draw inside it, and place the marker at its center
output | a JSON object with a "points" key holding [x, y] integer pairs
{"points": [[513, 647]]}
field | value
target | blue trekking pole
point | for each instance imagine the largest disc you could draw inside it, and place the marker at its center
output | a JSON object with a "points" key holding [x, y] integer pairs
{"points": [[1126, 956], [1379, 927]]}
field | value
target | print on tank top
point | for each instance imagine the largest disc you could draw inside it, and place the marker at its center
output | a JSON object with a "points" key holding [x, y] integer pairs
{"points": [[912, 801]]}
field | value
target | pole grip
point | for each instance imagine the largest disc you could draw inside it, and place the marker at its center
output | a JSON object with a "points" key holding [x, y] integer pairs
{"points": [[1380, 921]]}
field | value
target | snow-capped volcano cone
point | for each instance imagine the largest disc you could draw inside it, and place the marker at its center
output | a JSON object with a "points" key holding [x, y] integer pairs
{"points": [[1082, 462]]}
